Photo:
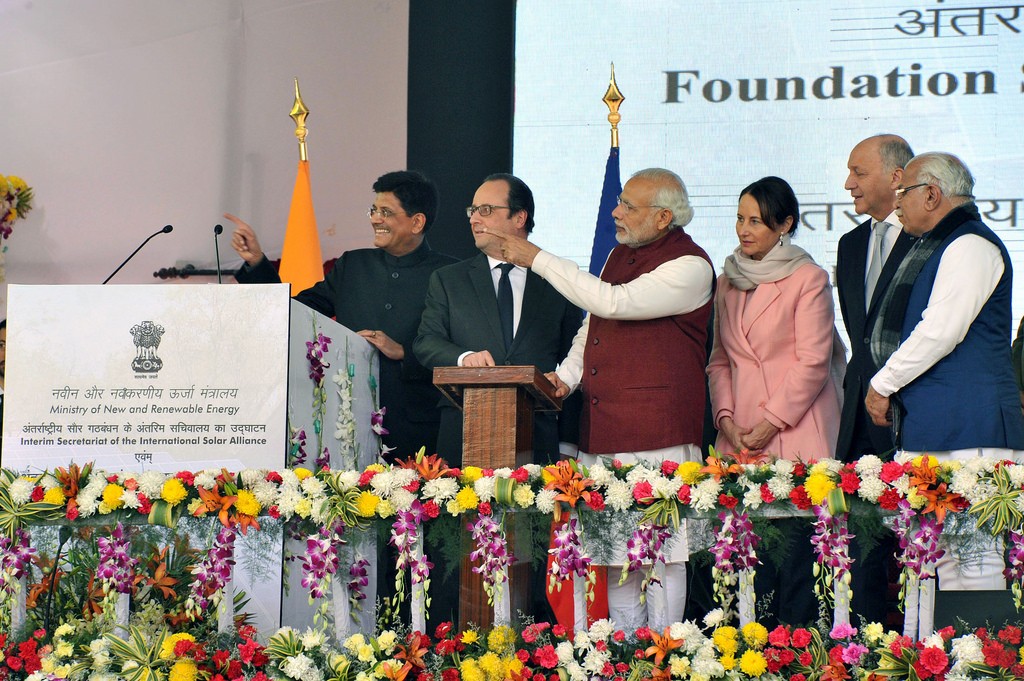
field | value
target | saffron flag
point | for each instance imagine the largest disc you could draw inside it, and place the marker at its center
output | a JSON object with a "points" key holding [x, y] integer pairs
{"points": [[302, 264], [604, 233]]}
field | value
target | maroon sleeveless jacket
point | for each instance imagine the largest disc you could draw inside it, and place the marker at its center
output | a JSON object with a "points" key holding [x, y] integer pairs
{"points": [[643, 381]]}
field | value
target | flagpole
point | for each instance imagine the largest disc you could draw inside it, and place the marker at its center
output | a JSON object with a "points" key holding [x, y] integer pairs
{"points": [[613, 99], [299, 113]]}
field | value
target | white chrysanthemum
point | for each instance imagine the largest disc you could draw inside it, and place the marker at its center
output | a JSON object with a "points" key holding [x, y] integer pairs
{"points": [[265, 492], [783, 467], [251, 476], [440, 489], [780, 486], [713, 618], [301, 667], [130, 499], [575, 671], [601, 475], [524, 496], [546, 500], [565, 652], [868, 465], [619, 495], [88, 506], [151, 483], [675, 630], [288, 500], [313, 639], [820, 468], [48, 482], [902, 485], [935, 641], [21, 491], [484, 488], [313, 486], [288, 478], [704, 496], [692, 637], [966, 650], [601, 630], [666, 488], [503, 473], [641, 473], [533, 469], [402, 499], [595, 661], [752, 498], [206, 479], [581, 640], [348, 478], [679, 666], [870, 489]]}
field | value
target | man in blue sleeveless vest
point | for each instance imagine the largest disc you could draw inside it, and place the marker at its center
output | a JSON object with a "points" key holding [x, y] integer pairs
{"points": [[941, 335]]}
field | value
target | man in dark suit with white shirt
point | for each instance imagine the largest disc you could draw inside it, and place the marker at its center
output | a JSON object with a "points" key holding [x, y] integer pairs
{"points": [[462, 324], [868, 257]]}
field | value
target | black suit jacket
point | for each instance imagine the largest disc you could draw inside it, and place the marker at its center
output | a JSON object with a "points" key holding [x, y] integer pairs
{"points": [[371, 289], [461, 315], [851, 263]]}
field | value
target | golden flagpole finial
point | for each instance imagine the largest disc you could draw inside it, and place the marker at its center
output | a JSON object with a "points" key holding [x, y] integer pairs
{"points": [[299, 113], [613, 98]]}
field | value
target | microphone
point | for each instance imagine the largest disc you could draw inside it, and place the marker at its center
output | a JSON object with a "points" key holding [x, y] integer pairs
{"points": [[166, 230], [216, 248]]}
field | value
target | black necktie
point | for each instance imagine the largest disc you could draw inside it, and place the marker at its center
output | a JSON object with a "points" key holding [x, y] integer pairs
{"points": [[506, 309]]}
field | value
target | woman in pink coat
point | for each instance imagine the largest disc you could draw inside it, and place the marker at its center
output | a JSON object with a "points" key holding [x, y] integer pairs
{"points": [[770, 371]]}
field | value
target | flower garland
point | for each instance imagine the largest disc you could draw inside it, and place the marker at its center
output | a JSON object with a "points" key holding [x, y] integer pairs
{"points": [[645, 543], [212, 574], [491, 552], [735, 553], [1014, 571], [116, 564], [831, 542], [15, 203]]}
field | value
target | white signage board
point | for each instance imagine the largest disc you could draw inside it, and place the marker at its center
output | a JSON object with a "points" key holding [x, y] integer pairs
{"points": [[135, 377]]}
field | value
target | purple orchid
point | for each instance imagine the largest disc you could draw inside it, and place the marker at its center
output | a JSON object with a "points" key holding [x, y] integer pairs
{"points": [[569, 557], [116, 564], [213, 572], [491, 551]]}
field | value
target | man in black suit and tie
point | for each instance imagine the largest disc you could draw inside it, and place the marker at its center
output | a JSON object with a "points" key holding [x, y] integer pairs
{"points": [[486, 312], [868, 257]]}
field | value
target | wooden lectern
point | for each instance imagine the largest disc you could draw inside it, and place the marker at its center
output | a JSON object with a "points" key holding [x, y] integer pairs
{"points": [[498, 405]]}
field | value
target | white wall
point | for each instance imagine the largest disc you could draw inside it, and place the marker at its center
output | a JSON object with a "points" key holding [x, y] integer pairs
{"points": [[126, 115]]}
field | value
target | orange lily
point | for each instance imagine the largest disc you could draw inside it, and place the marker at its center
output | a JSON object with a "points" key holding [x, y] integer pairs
{"points": [[212, 501], [48, 583], [394, 672], [569, 483], [719, 468], [746, 456], [663, 645], [834, 672], [940, 501], [413, 653], [160, 581], [923, 476], [428, 467], [70, 478]]}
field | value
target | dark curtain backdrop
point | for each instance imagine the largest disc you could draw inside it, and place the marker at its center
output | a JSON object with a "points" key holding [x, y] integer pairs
{"points": [[461, 67]]}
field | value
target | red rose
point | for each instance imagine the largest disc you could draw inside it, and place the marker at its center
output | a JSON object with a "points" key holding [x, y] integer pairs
{"points": [[779, 636], [849, 482], [801, 637], [684, 494], [596, 501], [619, 636], [558, 630], [37, 493], [934, 660], [728, 500], [450, 675], [643, 492], [431, 509], [520, 475], [669, 467], [1010, 634], [546, 656], [72, 513], [274, 512], [616, 464], [487, 472], [442, 630], [412, 486], [273, 476], [892, 471], [889, 500], [799, 498], [643, 634], [805, 658], [766, 494], [484, 508], [189, 478], [799, 470], [366, 477]]}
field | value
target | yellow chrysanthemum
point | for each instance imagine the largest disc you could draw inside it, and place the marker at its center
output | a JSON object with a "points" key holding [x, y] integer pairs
{"points": [[756, 635], [385, 509], [724, 639], [183, 670], [366, 504], [302, 473], [467, 499], [470, 636], [386, 641], [492, 667], [752, 663], [679, 666], [247, 503], [167, 649], [728, 661], [378, 467], [916, 500], [353, 642], [303, 508], [452, 507], [523, 496], [54, 495], [470, 671], [1021, 653], [501, 640], [365, 653], [471, 474], [873, 632], [513, 666], [63, 649], [112, 496], [173, 492], [689, 471], [818, 486]]}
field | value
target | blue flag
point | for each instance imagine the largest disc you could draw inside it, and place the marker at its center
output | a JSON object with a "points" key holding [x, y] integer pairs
{"points": [[604, 233]]}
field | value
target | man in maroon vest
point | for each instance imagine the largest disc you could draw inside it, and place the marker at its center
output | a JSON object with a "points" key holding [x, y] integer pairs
{"points": [[640, 355]]}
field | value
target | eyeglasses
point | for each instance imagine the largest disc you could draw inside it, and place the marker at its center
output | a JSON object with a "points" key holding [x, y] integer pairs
{"points": [[384, 213], [630, 207], [903, 190], [484, 210]]}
